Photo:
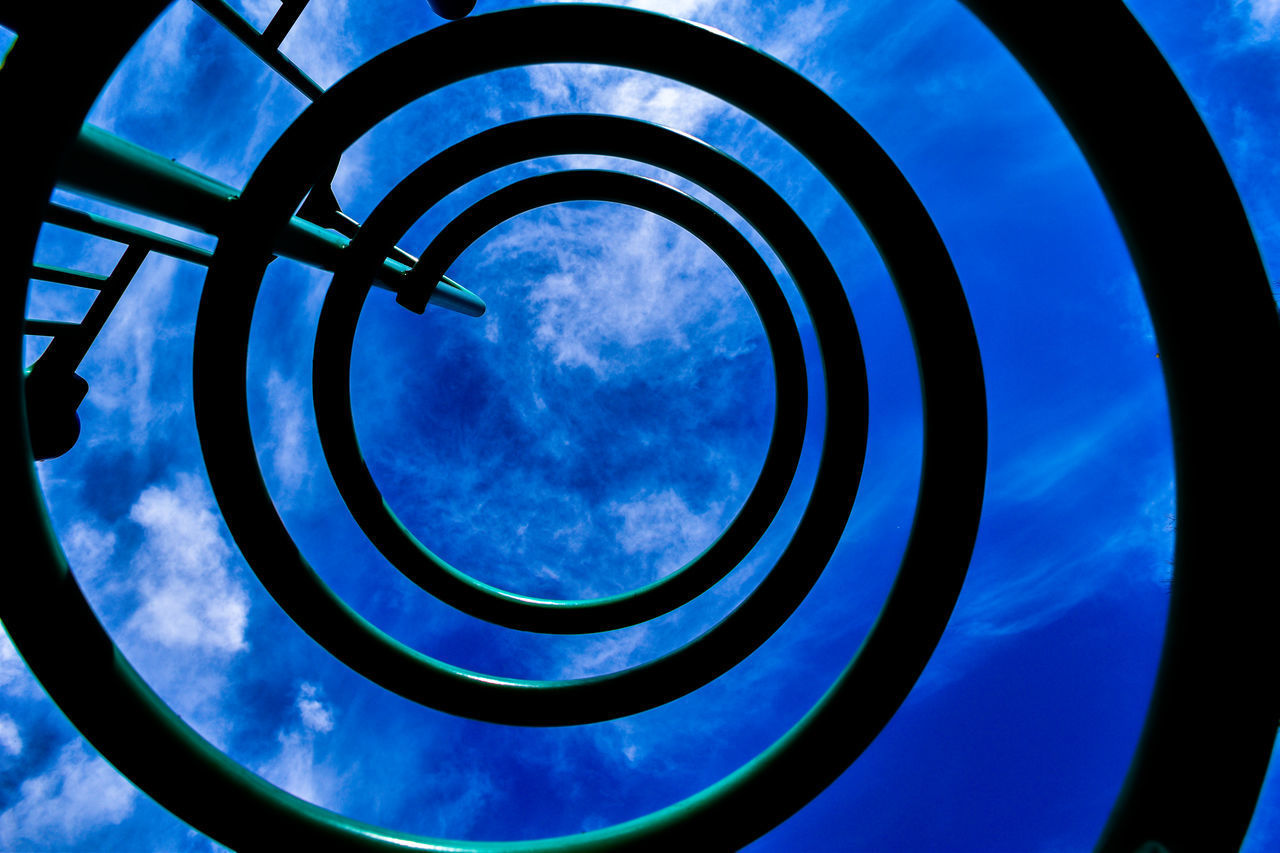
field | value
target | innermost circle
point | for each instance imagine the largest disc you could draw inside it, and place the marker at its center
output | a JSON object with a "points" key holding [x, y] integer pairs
{"points": [[596, 430]]}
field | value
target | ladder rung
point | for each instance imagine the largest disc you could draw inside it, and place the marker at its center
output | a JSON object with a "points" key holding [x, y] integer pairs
{"points": [[252, 39], [99, 226], [60, 275], [284, 20], [48, 328]]}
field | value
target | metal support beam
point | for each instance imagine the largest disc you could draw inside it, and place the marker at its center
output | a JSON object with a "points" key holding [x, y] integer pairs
{"points": [[117, 171], [61, 275], [100, 226], [284, 20], [267, 49]]}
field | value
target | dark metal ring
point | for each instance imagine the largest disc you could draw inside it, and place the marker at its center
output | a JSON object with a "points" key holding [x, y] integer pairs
{"points": [[335, 334], [1214, 712], [416, 676], [954, 460]]}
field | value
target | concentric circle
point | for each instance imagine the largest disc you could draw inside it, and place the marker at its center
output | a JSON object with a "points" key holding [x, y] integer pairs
{"points": [[221, 341], [952, 384], [331, 391]]}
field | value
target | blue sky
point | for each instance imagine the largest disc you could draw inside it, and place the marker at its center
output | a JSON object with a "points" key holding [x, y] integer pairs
{"points": [[604, 421]]}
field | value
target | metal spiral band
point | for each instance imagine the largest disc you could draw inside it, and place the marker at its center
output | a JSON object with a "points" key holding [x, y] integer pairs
{"points": [[1221, 350], [539, 137]]}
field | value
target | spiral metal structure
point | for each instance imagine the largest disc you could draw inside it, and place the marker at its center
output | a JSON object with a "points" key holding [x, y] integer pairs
{"points": [[1196, 775]]}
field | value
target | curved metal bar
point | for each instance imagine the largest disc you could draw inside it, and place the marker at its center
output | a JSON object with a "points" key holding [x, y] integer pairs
{"points": [[221, 416], [267, 48], [954, 461], [1213, 716], [119, 172], [331, 382]]}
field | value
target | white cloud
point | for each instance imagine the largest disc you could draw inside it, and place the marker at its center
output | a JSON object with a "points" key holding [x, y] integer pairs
{"points": [[171, 600], [170, 65], [1263, 15], [626, 740], [1010, 595], [623, 280], [662, 526], [316, 716], [613, 91], [156, 73], [294, 767], [10, 737], [88, 550], [79, 794], [791, 37], [688, 9], [189, 597], [786, 35], [1051, 457], [259, 12], [1008, 591], [319, 43], [492, 331], [608, 653]]}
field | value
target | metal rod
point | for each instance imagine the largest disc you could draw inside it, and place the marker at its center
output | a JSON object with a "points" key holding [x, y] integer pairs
{"points": [[117, 171], [49, 328], [265, 50], [284, 20], [68, 350], [61, 275], [100, 226]]}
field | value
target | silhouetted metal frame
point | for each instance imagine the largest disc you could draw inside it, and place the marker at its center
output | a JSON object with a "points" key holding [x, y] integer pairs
{"points": [[955, 429], [1203, 754]]}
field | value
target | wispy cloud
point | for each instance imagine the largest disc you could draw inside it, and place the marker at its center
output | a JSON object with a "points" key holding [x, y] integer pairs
{"points": [[1263, 17], [1043, 589], [1015, 586], [320, 43], [60, 807], [790, 37], [622, 281], [89, 550], [159, 71], [290, 461], [662, 527], [124, 365], [615, 92], [609, 653], [295, 766], [10, 737]]}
